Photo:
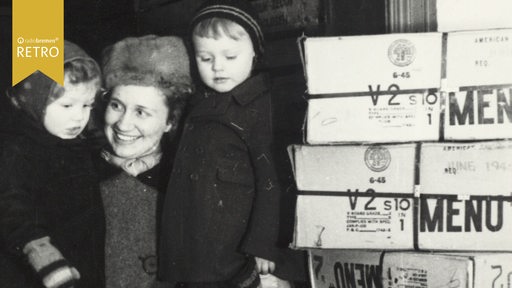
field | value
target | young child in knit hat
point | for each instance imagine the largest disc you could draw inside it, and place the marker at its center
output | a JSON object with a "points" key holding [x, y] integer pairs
{"points": [[148, 82], [51, 214], [221, 212]]}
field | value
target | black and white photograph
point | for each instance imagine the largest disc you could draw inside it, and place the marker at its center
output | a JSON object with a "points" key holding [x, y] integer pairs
{"points": [[256, 144]]}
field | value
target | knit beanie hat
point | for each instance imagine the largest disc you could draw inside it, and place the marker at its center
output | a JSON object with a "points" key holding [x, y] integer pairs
{"points": [[160, 62], [238, 11], [33, 93]]}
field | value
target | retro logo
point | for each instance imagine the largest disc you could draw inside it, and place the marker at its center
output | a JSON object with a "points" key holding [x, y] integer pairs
{"points": [[401, 52], [377, 158]]}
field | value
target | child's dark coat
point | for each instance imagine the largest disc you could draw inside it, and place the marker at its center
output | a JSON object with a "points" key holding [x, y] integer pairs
{"points": [[222, 202], [48, 188]]}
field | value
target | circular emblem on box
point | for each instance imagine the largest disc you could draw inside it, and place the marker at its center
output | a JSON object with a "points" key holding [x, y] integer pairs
{"points": [[401, 52], [377, 158]]}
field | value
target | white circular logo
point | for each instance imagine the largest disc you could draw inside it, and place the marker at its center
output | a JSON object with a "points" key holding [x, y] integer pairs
{"points": [[377, 158], [401, 52]]}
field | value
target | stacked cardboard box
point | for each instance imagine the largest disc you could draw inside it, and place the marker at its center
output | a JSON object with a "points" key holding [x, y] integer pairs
{"points": [[439, 196], [376, 172], [397, 89], [478, 84], [355, 196], [386, 92], [377, 269]]}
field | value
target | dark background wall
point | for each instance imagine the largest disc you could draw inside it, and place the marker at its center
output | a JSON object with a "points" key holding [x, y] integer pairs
{"points": [[5, 60], [95, 24]]}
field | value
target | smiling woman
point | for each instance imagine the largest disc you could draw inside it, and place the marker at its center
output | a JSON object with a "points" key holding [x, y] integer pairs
{"points": [[134, 125], [148, 81]]}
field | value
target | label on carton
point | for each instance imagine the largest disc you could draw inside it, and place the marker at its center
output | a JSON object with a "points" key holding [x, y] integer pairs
{"points": [[340, 169], [349, 222], [446, 269], [350, 64], [447, 223], [466, 196], [479, 112], [378, 117], [478, 58], [423, 270], [472, 168], [344, 268], [478, 85]]}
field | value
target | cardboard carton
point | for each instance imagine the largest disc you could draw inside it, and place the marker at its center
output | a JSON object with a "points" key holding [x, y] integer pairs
{"points": [[471, 270], [354, 222], [379, 118], [465, 201], [478, 85], [343, 168], [465, 169], [354, 196], [360, 64], [344, 268], [373, 196], [393, 269], [377, 88]]}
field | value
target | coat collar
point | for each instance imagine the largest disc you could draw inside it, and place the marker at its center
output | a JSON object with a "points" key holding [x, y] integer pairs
{"points": [[208, 102], [243, 94], [250, 89]]}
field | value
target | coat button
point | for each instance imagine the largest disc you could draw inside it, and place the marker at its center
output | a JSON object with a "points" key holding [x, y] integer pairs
{"points": [[194, 176]]}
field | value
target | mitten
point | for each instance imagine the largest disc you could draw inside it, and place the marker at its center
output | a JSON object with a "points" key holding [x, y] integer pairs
{"points": [[50, 265]]}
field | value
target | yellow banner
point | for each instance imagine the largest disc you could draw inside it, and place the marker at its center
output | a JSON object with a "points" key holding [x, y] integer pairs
{"points": [[37, 39]]}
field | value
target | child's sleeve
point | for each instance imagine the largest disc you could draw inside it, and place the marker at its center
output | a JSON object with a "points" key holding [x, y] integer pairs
{"points": [[261, 237], [262, 234], [22, 226], [20, 222]]}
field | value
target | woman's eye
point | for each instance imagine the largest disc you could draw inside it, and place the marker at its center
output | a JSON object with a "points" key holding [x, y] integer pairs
{"points": [[141, 113], [232, 57], [66, 105], [115, 106]]}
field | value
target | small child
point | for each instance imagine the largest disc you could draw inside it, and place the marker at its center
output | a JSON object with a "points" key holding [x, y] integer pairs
{"points": [[221, 212], [51, 215]]}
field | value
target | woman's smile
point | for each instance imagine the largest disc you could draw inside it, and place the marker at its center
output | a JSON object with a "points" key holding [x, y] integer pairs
{"points": [[124, 137]]}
